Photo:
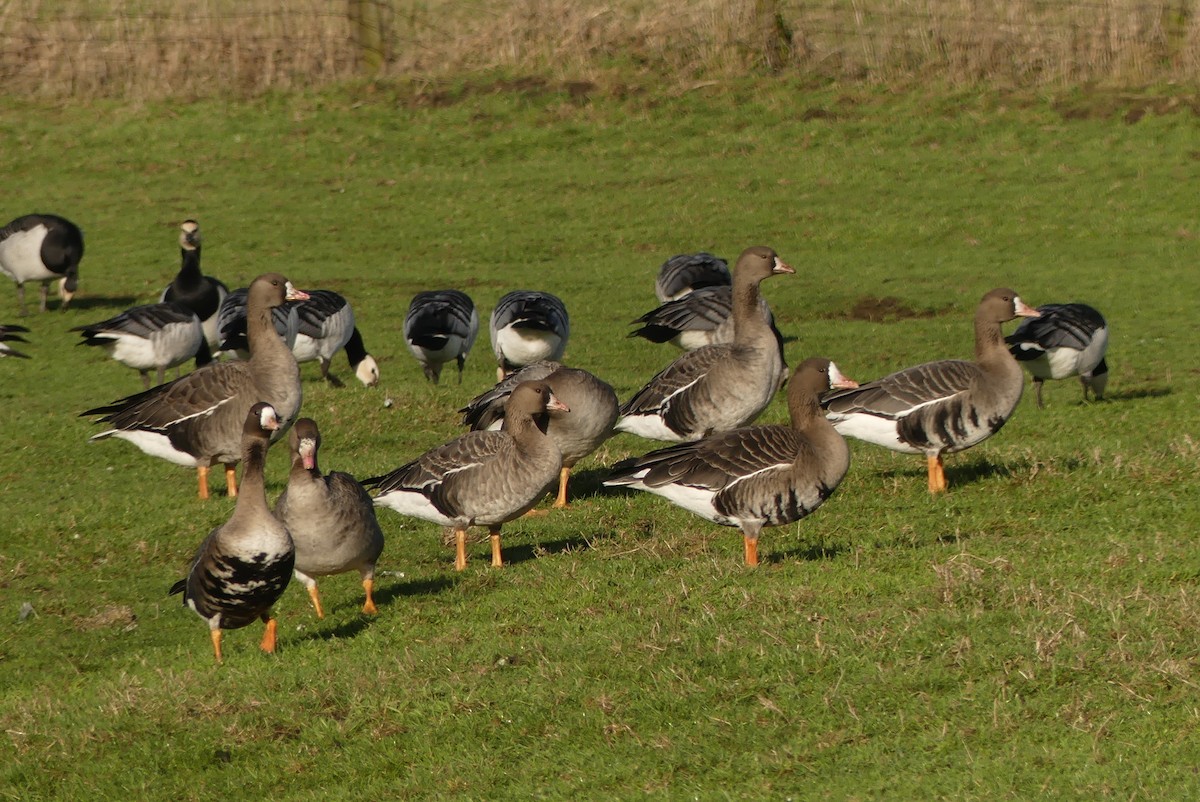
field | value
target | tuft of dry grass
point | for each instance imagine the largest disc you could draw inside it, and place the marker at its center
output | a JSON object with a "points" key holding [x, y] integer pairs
{"points": [[207, 47]]}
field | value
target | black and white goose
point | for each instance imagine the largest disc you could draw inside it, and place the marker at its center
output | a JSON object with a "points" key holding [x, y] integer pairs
{"points": [[590, 422], [43, 248], [244, 565], [481, 478], [331, 519], [697, 319], [940, 407], [1066, 340], [12, 333], [528, 326], [718, 387], [200, 293], [440, 327], [150, 337], [754, 476], [688, 272], [197, 420]]}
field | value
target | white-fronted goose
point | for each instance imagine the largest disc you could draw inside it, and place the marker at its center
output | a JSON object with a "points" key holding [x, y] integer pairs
{"points": [[440, 327], [718, 387], [331, 519], [12, 333], [754, 476], [590, 422], [481, 478], [940, 407], [689, 272], [528, 326], [1066, 340], [244, 565], [196, 420], [44, 248], [150, 337], [200, 293]]}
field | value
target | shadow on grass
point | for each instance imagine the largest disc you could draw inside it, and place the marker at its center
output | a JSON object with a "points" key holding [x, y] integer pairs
{"points": [[385, 597], [118, 302], [524, 553], [1133, 395], [811, 552], [589, 484], [957, 475]]}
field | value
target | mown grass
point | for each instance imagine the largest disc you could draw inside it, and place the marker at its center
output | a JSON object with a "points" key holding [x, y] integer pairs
{"points": [[1032, 632]]}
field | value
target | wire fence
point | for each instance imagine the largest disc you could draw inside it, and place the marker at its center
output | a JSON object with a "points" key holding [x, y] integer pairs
{"points": [[203, 47]]}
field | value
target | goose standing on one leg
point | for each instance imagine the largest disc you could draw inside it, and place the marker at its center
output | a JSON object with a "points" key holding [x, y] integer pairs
{"points": [[194, 290], [440, 327], [1066, 340], [9, 333], [196, 420], [528, 326], [150, 337], [331, 519], [718, 387], [481, 478], [940, 407], [43, 248], [688, 272], [244, 565], [590, 422], [754, 476]]}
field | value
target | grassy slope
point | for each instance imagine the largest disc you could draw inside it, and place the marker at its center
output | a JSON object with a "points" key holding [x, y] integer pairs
{"points": [[1033, 630]]}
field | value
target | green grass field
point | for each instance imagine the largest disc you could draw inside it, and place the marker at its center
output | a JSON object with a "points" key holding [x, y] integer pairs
{"points": [[1031, 633]]}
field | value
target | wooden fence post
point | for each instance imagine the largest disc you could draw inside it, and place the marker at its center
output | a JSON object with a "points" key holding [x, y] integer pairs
{"points": [[367, 28]]}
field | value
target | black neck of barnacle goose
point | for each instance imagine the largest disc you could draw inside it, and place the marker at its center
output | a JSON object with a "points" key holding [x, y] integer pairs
{"points": [[356, 351], [189, 269]]}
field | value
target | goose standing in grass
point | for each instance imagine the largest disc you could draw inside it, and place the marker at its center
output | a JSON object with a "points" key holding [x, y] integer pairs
{"points": [[440, 327], [688, 272], [200, 293], [754, 476], [481, 478], [940, 407], [231, 324], [244, 565], [43, 248], [718, 387], [577, 434], [1065, 340], [150, 337], [528, 326], [331, 519], [12, 333], [697, 319], [196, 420]]}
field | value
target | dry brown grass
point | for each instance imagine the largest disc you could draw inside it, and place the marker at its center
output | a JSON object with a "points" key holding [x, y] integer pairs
{"points": [[201, 47]]}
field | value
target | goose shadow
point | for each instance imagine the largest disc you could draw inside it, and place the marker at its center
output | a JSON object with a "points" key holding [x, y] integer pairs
{"points": [[385, 596], [810, 552], [957, 475], [1132, 395], [526, 552], [86, 302], [587, 484]]}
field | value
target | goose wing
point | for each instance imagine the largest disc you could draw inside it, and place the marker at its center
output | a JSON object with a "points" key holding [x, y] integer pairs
{"points": [[898, 394]]}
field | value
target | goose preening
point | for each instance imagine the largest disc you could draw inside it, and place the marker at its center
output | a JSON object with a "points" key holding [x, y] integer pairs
{"points": [[197, 420], [481, 478], [940, 407], [43, 248], [12, 333], [577, 434], [315, 329], [1066, 340], [754, 476], [150, 337], [689, 272], [331, 519], [528, 326], [244, 565], [440, 327], [200, 293], [718, 387]]}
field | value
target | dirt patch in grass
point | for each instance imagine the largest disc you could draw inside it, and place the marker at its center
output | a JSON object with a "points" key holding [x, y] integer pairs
{"points": [[883, 310]]}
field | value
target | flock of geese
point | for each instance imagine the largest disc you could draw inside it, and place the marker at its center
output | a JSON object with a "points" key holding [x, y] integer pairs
{"points": [[528, 431]]}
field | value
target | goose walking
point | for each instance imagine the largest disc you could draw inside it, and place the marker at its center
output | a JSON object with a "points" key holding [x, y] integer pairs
{"points": [[150, 337], [440, 327], [718, 387], [42, 248], [754, 476], [688, 272], [940, 407], [192, 289], [528, 326], [196, 420], [577, 434], [481, 478], [12, 333], [1065, 340], [244, 565], [331, 519]]}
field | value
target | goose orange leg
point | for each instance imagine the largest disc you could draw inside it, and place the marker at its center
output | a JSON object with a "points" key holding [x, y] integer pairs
{"points": [[316, 599], [268, 639], [495, 537], [460, 549], [563, 476], [751, 548], [231, 479], [202, 478], [368, 584], [216, 643], [937, 474]]}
